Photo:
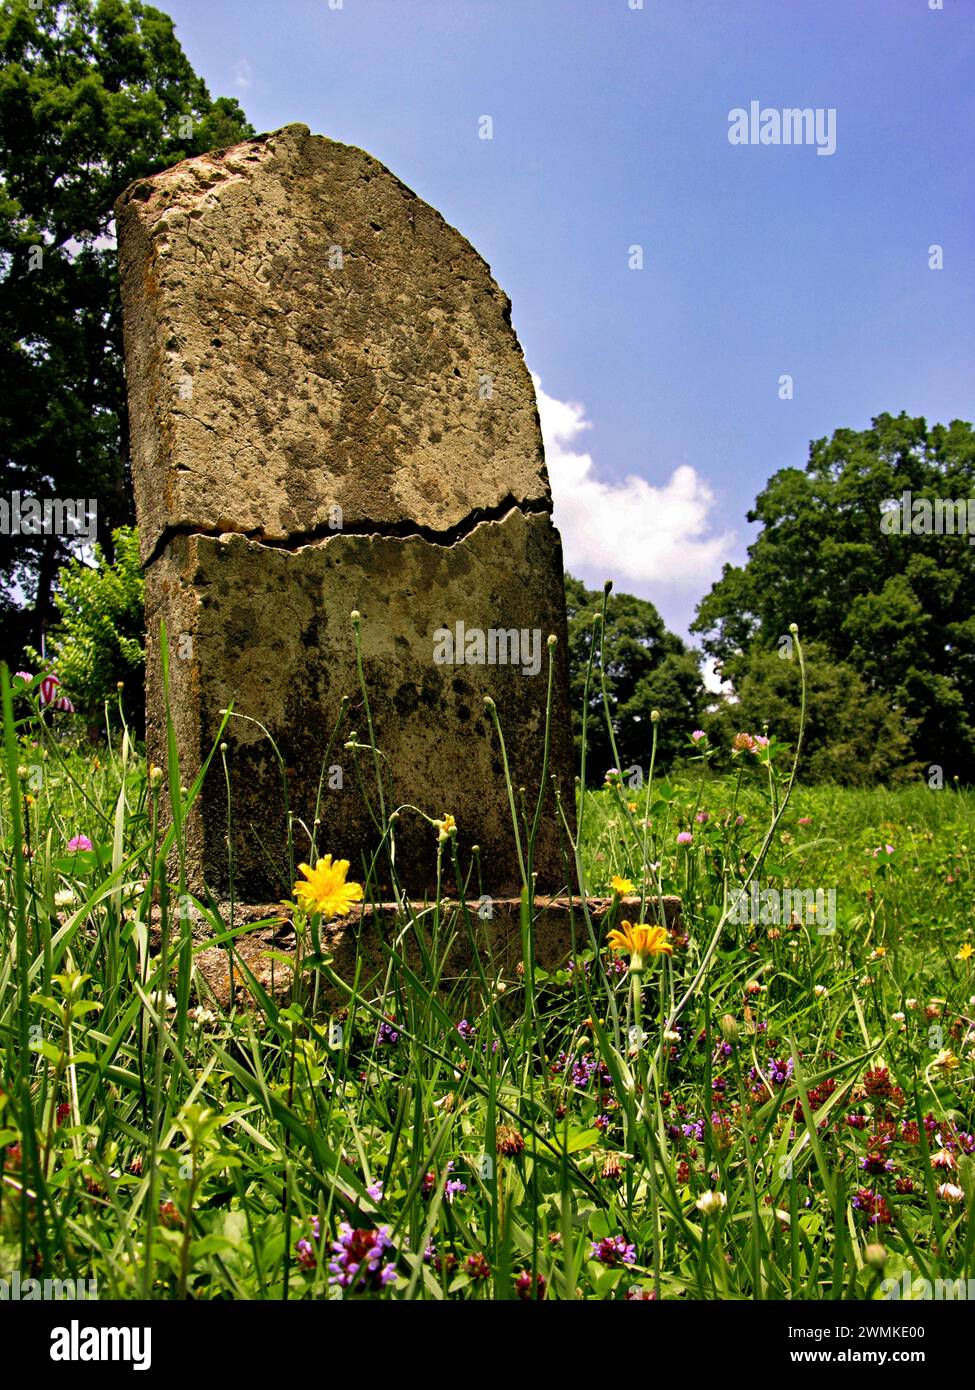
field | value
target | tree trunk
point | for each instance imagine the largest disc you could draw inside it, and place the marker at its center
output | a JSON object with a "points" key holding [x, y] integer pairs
{"points": [[44, 610]]}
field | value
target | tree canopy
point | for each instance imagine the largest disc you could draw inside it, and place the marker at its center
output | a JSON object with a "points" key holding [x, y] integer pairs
{"points": [[93, 94], [893, 608]]}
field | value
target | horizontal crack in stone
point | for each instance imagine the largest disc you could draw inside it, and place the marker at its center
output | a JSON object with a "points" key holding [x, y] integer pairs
{"points": [[398, 530]]}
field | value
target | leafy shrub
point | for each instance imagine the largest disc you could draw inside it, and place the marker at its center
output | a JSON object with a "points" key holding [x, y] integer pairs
{"points": [[100, 638]]}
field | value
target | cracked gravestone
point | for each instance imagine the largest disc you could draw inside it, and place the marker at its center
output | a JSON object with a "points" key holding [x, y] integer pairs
{"points": [[330, 412]]}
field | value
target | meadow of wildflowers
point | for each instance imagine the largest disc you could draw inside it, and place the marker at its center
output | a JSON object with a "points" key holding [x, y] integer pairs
{"points": [[772, 1108]]}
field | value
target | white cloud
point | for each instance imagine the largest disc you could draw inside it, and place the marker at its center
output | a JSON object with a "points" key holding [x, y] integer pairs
{"points": [[242, 75], [712, 681], [630, 531]]}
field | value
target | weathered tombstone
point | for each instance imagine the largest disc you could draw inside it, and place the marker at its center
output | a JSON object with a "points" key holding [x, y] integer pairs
{"points": [[330, 412]]}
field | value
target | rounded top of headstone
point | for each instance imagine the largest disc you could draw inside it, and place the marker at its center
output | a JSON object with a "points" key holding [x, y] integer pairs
{"points": [[311, 347]]}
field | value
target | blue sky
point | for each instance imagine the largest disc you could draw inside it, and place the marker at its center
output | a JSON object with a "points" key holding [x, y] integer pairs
{"points": [[659, 387]]}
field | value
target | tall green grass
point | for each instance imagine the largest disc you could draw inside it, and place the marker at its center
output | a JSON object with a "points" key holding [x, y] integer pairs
{"points": [[699, 1130]]}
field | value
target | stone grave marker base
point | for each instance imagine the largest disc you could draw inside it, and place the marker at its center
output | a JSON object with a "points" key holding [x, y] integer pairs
{"points": [[498, 940]]}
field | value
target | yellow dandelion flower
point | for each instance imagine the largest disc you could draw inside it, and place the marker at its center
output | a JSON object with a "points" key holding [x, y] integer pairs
{"points": [[325, 889], [621, 886], [446, 827], [640, 942], [967, 951]]}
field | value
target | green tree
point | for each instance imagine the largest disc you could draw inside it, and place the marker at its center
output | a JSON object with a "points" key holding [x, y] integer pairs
{"points": [[853, 736], [898, 610], [93, 94], [647, 668]]}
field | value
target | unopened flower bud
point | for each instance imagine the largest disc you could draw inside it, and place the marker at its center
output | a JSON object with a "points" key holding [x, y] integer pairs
{"points": [[729, 1028], [709, 1203]]}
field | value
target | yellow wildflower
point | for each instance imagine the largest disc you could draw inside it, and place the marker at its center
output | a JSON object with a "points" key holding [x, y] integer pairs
{"points": [[640, 941], [326, 890], [966, 951], [445, 827], [621, 886]]}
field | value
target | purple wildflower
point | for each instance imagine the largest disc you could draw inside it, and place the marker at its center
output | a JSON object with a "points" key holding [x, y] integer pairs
{"points": [[359, 1259], [779, 1071], [582, 1070], [612, 1251], [304, 1248]]}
